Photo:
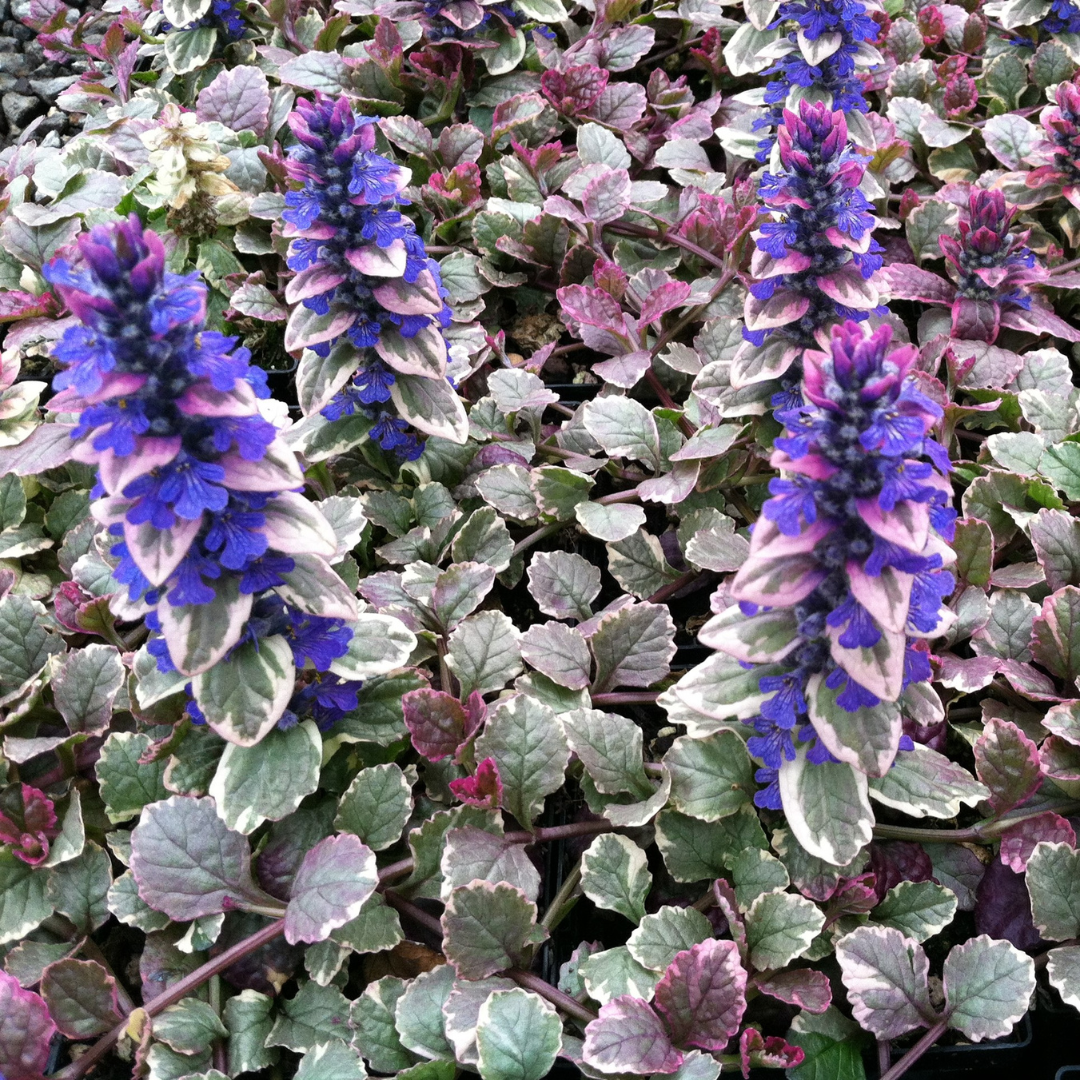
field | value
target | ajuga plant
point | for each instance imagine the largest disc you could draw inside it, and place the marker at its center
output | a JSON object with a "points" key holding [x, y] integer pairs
{"points": [[829, 50], [1057, 154], [195, 485], [816, 261], [844, 577], [369, 300]]}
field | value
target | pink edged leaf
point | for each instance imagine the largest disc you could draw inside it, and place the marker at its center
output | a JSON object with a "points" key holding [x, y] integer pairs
{"points": [[423, 354], [1039, 320], [668, 296], [768, 542], [158, 552], [908, 282], [277, 470], [728, 905], [1029, 681], [886, 597], [335, 879], [387, 262], [976, 320], [81, 996], [574, 90], [867, 738], [966, 674], [437, 722], [781, 309], [847, 286], [907, 524], [1060, 760], [1019, 840], [702, 995], [629, 1037], [186, 862], [758, 363], [115, 473], [295, 526], [419, 298], [607, 197], [777, 582], [1007, 762], [314, 281], [594, 307], [803, 987], [306, 328], [239, 98], [25, 1031], [1056, 634], [484, 788], [886, 976], [1064, 721], [27, 823], [756, 1051], [626, 370], [202, 399]]}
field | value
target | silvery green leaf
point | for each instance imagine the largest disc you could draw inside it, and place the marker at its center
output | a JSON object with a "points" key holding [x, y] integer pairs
{"points": [[379, 644], [187, 50], [886, 978], [827, 808], [615, 875], [1052, 873], [79, 888], [559, 490], [376, 806], [431, 406], [81, 996], [85, 685], [670, 930], [610, 748], [126, 904], [189, 1026], [244, 696], [639, 565], [988, 985], [419, 1017], [25, 642], [597, 145], [813, 877], [780, 927], [918, 909], [518, 1036], [633, 646], [866, 738], [756, 872], [484, 538], [267, 781], [484, 652], [560, 652], [23, 903], [710, 777], [315, 1014], [182, 12], [612, 973], [372, 1019], [462, 1012], [1063, 970], [530, 751], [624, 428], [125, 785], [696, 850], [744, 53], [331, 1061], [487, 927], [563, 584], [507, 488], [924, 783], [613, 522]]}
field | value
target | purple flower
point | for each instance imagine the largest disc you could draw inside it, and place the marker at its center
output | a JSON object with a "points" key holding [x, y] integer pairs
{"points": [[322, 641]]}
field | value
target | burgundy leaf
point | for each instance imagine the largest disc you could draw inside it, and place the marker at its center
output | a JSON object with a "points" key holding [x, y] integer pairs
{"points": [[976, 320], [27, 823], [437, 722], [1019, 840], [25, 1031], [668, 296], [894, 861], [484, 788], [766, 1053], [909, 282], [576, 89], [803, 987], [1003, 907], [702, 995]]}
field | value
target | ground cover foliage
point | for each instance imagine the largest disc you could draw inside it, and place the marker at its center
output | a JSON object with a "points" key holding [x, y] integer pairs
{"points": [[539, 537]]}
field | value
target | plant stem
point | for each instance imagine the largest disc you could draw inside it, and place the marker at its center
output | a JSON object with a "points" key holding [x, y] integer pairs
{"points": [[418, 915], [561, 904], [985, 832], [528, 981], [917, 1051], [537, 535], [626, 229], [672, 587], [171, 996], [643, 697]]}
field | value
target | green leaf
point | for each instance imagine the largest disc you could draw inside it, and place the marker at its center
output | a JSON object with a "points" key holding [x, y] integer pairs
{"points": [[831, 1044], [1063, 970], [487, 927], [331, 1061], [473, 854], [23, 903], [518, 1036], [187, 50], [267, 781], [711, 777], [633, 646], [924, 783], [189, 1026], [929, 220], [558, 490], [25, 643], [670, 930], [316, 1014], [85, 684], [530, 750], [419, 1016], [12, 502], [696, 850], [827, 808], [1052, 873], [81, 996], [609, 746], [245, 696], [248, 1019], [780, 927], [79, 888], [484, 652], [563, 584], [756, 872], [375, 929], [379, 644], [615, 875], [987, 987], [372, 1020], [376, 806], [199, 635], [614, 972], [1006, 79], [126, 904], [866, 738], [125, 785], [918, 909]]}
